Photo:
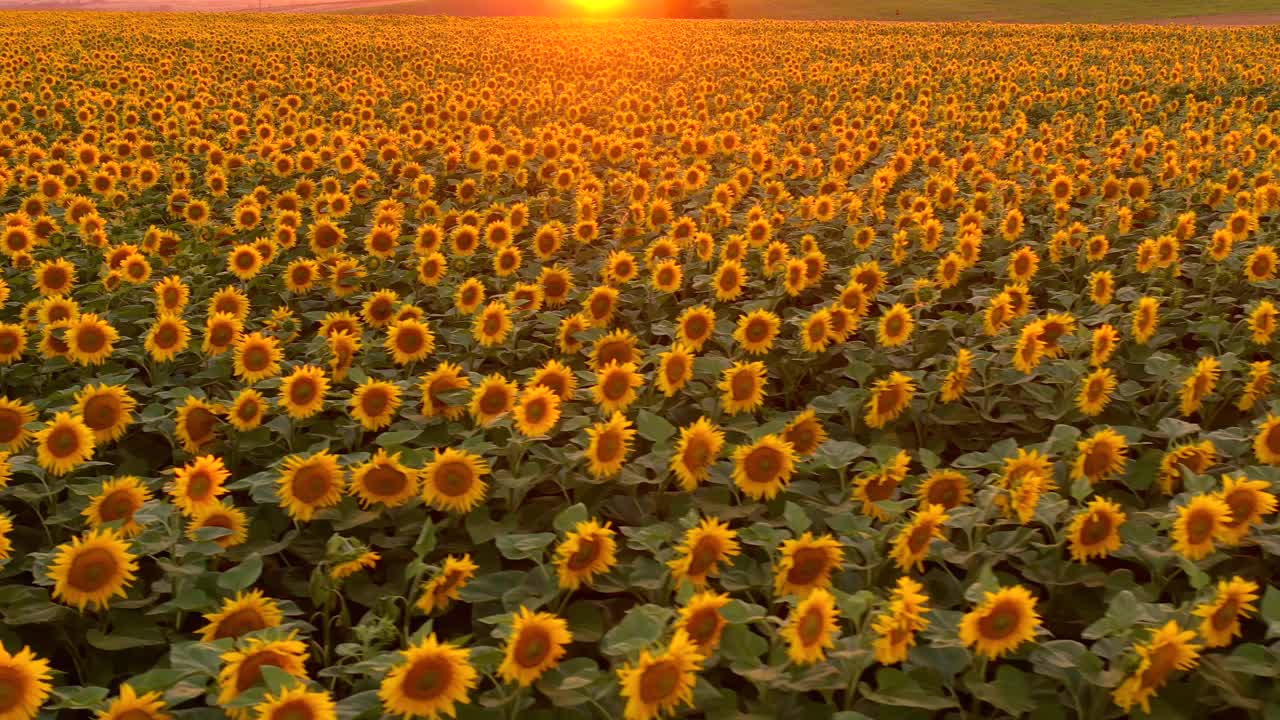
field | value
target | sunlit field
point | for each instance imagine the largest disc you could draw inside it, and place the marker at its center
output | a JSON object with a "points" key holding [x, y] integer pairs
{"points": [[565, 369]]}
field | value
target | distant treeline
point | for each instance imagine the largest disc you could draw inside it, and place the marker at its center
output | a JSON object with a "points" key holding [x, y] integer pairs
{"points": [[696, 8]]}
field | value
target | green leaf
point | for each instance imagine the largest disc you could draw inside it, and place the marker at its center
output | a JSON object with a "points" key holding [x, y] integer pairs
{"points": [[426, 541], [653, 427], [522, 546], [277, 679], [241, 576], [896, 689], [640, 628], [124, 639], [739, 643], [1121, 615], [797, 519], [397, 437], [568, 518], [1010, 691], [1271, 611]]}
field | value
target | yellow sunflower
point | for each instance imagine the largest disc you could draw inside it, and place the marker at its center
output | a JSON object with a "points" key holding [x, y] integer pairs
{"points": [[806, 564], [198, 484], [1200, 523], [536, 644], [24, 684], [90, 339], [384, 479], [805, 433], [702, 620], [889, 398], [945, 488], [658, 684], [106, 409], [15, 415], [445, 586], [811, 628], [247, 410], [296, 703], [1004, 620], [537, 412], [1199, 385], [587, 550], [880, 485], [608, 445], [896, 326], [132, 706], [1259, 385], [13, 343], [302, 392], [257, 357], [433, 678], [224, 517], [556, 377], [1146, 319], [63, 444], [197, 423], [444, 378], [409, 340], [1249, 501], [695, 326], [374, 403], [910, 546], [364, 561], [615, 387], [1100, 456], [757, 331], [1196, 457], [494, 398], [1263, 322], [222, 332], [675, 369], [168, 336], [729, 280], [310, 484], [117, 502], [1169, 650], [493, 325], [92, 569], [1096, 391], [242, 667], [1095, 531], [1266, 444], [705, 547], [742, 387], [454, 480], [245, 613], [763, 468], [1232, 603]]}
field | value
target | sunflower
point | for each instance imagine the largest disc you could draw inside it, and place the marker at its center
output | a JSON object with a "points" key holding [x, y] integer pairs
{"points": [[811, 628], [1249, 500], [383, 479], [6, 528], [55, 277], [1196, 457], [1170, 649], [897, 626], [896, 326], [743, 387], [364, 561], [247, 410], [1199, 524], [15, 415], [241, 615], [667, 276], [117, 502], [695, 326], [197, 424], [494, 398], [537, 412], [221, 332], [469, 296], [132, 706], [705, 547], [763, 468], [756, 331], [257, 357], [1096, 391], [556, 377], [536, 644], [1261, 264], [587, 550], [106, 409], [1222, 615], [910, 546], [701, 619], [1101, 287], [64, 444], [1100, 456], [699, 446], [615, 387], [1199, 385], [1263, 321], [729, 280], [998, 314], [556, 283], [24, 684], [1258, 386], [302, 392], [310, 484], [1095, 531], [1023, 264], [242, 667], [1031, 347], [675, 369], [453, 480], [92, 569], [618, 346], [296, 703], [1146, 319], [1105, 340], [244, 261], [301, 275], [600, 305], [374, 403], [444, 378], [445, 586], [198, 484], [13, 342], [880, 485], [167, 337], [608, 445], [409, 341], [380, 308], [945, 488], [493, 325], [817, 331], [805, 433], [889, 398], [1266, 444], [806, 564], [90, 340], [660, 683], [1004, 620]]}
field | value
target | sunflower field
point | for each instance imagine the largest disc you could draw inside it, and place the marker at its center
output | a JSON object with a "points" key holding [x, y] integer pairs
{"points": [[428, 367]]}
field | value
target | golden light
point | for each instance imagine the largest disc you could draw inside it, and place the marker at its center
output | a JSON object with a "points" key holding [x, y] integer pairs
{"points": [[599, 7]]}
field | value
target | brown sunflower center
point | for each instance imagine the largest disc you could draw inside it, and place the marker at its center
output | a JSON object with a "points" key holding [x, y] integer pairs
{"points": [[615, 386], [135, 714], [1200, 526], [90, 338], [608, 446], [256, 358], [374, 402], [702, 625], [535, 410], [200, 424], [302, 391], [704, 556], [1000, 622], [92, 570], [601, 305], [743, 386], [697, 454], [809, 627], [763, 464], [239, 622], [311, 483], [808, 564], [1097, 460], [494, 401], [659, 682], [918, 540], [1096, 528], [455, 479], [695, 327], [63, 441], [250, 673], [119, 505], [166, 336], [385, 481], [532, 647], [409, 340], [589, 549]]}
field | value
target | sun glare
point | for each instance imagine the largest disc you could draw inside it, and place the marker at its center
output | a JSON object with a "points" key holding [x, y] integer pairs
{"points": [[599, 7]]}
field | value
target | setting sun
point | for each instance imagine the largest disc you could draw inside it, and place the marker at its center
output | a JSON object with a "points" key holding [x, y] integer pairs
{"points": [[599, 6]]}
